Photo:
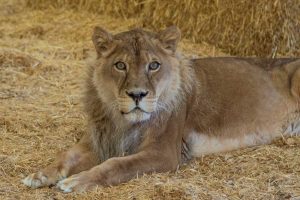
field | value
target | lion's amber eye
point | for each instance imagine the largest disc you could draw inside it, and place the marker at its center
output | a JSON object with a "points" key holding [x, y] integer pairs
{"points": [[120, 66], [154, 65]]}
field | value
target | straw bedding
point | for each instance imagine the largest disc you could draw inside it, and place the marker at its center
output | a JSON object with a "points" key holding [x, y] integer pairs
{"points": [[256, 27], [42, 50]]}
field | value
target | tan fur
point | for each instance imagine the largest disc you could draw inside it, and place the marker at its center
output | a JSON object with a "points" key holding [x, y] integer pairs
{"points": [[188, 108]]}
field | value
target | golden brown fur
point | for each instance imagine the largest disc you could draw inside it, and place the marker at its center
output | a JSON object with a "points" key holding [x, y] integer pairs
{"points": [[150, 109]]}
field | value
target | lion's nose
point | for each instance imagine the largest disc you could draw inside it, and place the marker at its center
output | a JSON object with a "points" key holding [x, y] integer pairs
{"points": [[137, 96]]}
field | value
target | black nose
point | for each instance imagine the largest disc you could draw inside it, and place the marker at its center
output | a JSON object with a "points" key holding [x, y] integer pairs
{"points": [[137, 95]]}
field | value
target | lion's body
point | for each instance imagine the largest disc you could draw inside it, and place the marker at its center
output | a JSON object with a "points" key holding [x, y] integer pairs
{"points": [[144, 119], [231, 103], [237, 104]]}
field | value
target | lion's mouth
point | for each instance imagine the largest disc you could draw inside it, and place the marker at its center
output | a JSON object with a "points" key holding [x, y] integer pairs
{"points": [[134, 110]]}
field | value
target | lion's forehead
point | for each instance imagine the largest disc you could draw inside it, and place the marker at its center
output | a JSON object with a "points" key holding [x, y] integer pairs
{"points": [[142, 58], [137, 43], [133, 55]]}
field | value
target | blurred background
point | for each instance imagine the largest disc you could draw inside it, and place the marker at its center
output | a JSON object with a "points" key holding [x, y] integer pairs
{"points": [[243, 27], [43, 47]]}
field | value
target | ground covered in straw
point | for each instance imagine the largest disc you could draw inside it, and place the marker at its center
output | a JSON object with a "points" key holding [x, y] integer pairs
{"points": [[41, 69]]}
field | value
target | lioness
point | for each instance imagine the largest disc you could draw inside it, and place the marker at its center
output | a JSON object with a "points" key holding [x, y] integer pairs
{"points": [[150, 109]]}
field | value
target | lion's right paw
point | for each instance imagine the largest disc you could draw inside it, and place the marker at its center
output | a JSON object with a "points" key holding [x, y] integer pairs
{"points": [[41, 179], [36, 180]]}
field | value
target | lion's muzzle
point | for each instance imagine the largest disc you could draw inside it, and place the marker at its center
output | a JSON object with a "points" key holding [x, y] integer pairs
{"points": [[137, 105], [137, 95]]}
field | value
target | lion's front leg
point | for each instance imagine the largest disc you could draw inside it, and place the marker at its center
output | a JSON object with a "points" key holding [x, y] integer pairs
{"points": [[121, 169], [75, 160]]}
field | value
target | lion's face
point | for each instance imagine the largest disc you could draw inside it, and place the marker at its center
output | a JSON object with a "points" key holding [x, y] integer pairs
{"points": [[136, 71]]}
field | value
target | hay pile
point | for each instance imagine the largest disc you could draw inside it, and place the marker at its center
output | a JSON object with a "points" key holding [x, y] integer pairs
{"points": [[41, 65], [247, 28]]}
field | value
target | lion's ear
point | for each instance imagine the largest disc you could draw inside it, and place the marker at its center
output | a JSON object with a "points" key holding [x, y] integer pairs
{"points": [[170, 37], [103, 41]]}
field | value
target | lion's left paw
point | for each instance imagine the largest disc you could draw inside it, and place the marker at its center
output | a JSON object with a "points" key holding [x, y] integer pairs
{"points": [[76, 183]]}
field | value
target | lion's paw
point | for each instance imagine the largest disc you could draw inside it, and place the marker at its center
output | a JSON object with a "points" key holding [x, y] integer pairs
{"points": [[76, 183], [43, 178], [36, 180]]}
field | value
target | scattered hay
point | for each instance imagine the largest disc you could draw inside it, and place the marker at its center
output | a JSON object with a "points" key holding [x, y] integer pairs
{"points": [[17, 59], [247, 28], [40, 115]]}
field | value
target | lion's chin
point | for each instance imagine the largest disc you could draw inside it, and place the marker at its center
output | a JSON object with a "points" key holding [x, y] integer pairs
{"points": [[137, 116]]}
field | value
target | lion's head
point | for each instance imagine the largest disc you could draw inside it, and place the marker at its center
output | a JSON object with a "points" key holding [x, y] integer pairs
{"points": [[137, 72]]}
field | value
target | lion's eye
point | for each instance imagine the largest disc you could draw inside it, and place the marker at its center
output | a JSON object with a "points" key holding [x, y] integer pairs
{"points": [[120, 66], [154, 65]]}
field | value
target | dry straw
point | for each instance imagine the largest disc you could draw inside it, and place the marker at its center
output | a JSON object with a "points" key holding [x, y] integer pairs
{"points": [[41, 69], [256, 27]]}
